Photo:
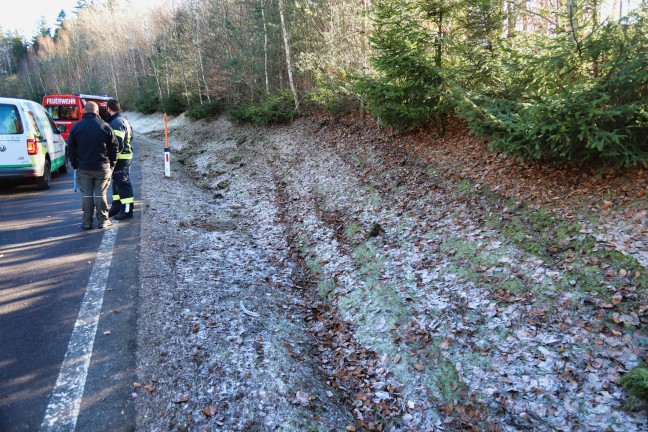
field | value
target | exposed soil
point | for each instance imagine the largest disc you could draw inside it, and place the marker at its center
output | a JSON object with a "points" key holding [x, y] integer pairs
{"points": [[332, 275]]}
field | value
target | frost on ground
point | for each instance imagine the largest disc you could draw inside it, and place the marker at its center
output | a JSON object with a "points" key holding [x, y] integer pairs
{"points": [[313, 278]]}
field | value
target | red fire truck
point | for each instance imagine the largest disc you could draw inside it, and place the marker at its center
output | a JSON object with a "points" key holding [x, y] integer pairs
{"points": [[67, 109]]}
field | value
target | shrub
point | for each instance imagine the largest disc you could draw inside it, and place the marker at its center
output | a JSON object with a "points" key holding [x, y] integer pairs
{"points": [[148, 103], [405, 105], [332, 100], [578, 125], [277, 108], [205, 110], [559, 101], [635, 383], [174, 104], [332, 92]]}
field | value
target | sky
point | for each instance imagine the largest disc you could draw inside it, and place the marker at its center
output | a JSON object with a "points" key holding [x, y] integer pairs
{"points": [[24, 15]]}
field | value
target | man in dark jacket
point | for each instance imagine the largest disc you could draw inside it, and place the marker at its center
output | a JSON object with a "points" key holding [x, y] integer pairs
{"points": [[92, 148], [122, 199]]}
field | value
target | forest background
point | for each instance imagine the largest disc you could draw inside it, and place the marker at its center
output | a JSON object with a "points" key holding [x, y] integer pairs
{"points": [[543, 79]]}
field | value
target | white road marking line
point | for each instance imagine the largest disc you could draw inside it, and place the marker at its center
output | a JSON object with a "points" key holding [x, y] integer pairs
{"points": [[65, 401]]}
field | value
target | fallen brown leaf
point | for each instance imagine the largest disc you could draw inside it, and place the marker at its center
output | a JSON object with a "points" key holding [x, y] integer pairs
{"points": [[181, 399], [208, 412], [446, 409]]}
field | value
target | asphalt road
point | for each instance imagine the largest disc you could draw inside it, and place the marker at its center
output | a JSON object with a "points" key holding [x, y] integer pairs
{"points": [[47, 265]]}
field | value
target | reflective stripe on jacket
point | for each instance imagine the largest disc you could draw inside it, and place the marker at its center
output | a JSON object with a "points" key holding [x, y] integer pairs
{"points": [[124, 133]]}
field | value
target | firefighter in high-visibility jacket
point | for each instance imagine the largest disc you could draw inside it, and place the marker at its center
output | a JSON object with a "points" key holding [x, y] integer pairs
{"points": [[122, 198]]}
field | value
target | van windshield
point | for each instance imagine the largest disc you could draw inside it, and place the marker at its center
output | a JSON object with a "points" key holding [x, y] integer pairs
{"points": [[63, 112], [10, 120]]}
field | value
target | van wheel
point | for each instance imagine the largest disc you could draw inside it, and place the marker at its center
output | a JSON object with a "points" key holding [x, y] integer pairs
{"points": [[64, 168], [43, 182]]}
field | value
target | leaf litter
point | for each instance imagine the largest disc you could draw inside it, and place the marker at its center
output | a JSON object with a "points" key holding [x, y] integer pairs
{"points": [[328, 276]]}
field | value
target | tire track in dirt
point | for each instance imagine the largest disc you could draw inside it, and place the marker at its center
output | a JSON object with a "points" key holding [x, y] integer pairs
{"points": [[222, 343]]}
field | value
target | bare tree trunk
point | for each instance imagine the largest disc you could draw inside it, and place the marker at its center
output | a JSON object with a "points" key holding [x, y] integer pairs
{"points": [[186, 90], [512, 19], [31, 87], [142, 59], [157, 78], [40, 77], [265, 48], [202, 73], [114, 75], [168, 84], [200, 98], [614, 9], [366, 4], [287, 49], [134, 65], [573, 25], [9, 67], [525, 17], [596, 18], [596, 13], [80, 75], [87, 74]]}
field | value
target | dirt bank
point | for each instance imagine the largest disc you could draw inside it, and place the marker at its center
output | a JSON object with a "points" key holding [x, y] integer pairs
{"points": [[331, 276]]}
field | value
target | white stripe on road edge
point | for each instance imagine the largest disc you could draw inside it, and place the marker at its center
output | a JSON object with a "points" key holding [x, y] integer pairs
{"points": [[65, 401]]}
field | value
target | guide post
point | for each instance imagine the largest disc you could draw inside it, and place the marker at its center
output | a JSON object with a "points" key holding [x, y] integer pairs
{"points": [[167, 152]]}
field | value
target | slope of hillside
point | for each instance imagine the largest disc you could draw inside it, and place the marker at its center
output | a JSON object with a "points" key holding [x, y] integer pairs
{"points": [[330, 275]]}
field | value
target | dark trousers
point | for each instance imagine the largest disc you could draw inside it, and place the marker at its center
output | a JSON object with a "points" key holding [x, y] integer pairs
{"points": [[121, 185]]}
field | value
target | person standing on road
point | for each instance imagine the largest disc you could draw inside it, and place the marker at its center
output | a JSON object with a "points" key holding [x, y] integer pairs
{"points": [[122, 199], [92, 148]]}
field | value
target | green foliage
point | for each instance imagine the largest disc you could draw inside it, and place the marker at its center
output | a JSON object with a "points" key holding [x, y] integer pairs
{"points": [[174, 104], [635, 383], [550, 82], [205, 110], [10, 86], [407, 91], [569, 99], [147, 103], [333, 93], [19, 48], [277, 108]]}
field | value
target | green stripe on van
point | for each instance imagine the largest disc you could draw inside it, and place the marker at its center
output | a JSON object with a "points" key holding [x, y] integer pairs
{"points": [[15, 166], [58, 162]]}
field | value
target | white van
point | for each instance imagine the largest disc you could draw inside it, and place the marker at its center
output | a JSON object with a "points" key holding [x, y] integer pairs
{"points": [[30, 143]]}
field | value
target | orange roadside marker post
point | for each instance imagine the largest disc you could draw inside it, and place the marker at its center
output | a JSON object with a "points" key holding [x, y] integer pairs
{"points": [[167, 152]]}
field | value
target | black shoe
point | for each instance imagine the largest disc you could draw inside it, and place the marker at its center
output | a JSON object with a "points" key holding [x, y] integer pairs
{"points": [[123, 215], [125, 212], [86, 226], [114, 209]]}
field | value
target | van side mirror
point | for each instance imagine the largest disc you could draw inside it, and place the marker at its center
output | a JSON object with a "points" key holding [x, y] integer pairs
{"points": [[61, 128]]}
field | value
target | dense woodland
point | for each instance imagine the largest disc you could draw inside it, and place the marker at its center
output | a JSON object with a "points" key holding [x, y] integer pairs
{"points": [[544, 79]]}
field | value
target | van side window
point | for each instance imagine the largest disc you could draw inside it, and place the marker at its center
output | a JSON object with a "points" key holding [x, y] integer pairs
{"points": [[52, 124], [42, 120], [34, 125], [10, 120]]}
